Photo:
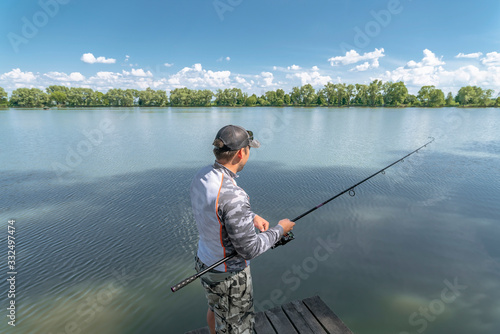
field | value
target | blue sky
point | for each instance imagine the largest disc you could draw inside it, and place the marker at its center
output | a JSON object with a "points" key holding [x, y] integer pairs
{"points": [[254, 45]]}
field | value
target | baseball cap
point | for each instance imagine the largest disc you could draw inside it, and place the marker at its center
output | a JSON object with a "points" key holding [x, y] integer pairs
{"points": [[235, 137]]}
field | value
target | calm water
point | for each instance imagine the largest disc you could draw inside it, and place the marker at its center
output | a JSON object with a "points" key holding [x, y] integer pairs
{"points": [[104, 225]]}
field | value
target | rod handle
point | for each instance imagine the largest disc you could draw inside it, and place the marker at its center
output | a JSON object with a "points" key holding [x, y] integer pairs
{"points": [[183, 283]]}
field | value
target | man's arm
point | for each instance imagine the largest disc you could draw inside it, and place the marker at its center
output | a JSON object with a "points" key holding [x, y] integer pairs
{"points": [[239, 223]]}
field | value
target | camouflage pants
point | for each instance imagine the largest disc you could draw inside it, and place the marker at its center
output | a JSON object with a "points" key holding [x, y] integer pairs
{"points": [[230, 297]]}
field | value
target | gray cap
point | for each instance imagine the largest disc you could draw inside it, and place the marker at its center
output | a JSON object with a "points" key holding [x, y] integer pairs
{"points": [[235, 137]]}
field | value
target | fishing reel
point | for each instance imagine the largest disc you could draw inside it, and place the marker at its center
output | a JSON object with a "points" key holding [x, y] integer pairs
{"points": [[284, 240]]}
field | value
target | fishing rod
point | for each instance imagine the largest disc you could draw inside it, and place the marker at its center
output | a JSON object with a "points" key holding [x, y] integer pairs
{"points": [[290, 236]]}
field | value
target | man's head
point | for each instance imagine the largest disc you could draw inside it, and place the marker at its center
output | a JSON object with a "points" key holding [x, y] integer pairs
{"points": [[232, 146]]}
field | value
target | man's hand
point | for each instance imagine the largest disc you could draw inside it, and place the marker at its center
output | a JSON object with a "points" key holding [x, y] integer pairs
{"points": [[260, 223], [287, 225]]}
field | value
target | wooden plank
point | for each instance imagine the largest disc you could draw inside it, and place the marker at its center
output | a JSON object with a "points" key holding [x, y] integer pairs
{"points": [[308, 317], [325, 316], [297, 319], [203, 330], [279, 321], [262, 324]]}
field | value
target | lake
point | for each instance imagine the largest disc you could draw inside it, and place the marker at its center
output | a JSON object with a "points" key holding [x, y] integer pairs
{"points": [[104, 228]]}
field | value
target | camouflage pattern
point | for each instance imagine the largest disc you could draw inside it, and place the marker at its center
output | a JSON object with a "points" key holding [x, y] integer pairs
{"points": [[239, 233], [231, 300], [225, 220]]}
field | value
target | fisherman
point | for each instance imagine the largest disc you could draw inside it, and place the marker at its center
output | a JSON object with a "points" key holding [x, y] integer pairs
{"points": [[226, 224]]}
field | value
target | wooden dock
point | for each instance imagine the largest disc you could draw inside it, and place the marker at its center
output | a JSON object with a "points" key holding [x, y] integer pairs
{"points": [[311, 316]]}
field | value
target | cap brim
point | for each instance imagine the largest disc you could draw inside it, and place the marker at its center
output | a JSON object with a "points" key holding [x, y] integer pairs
{"points": [[254, 143]]}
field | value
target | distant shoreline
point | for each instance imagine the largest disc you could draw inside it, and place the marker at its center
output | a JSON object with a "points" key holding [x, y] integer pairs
{"points": [[243, 107], [341, 95]]}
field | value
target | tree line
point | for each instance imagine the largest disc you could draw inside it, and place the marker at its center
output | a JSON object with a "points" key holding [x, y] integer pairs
{"points": [[375, 94]]}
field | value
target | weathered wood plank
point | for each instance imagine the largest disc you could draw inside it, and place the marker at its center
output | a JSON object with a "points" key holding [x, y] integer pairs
{"points": [[262, 324], [279, 321], [308, 317], [325, 316], [297, 319]]}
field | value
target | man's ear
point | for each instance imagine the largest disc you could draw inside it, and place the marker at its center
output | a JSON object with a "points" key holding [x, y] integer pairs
{"points": [[240, 153]]}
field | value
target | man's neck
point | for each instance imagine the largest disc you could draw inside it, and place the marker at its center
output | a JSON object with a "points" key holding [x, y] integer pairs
{"points": [[231, 167]]}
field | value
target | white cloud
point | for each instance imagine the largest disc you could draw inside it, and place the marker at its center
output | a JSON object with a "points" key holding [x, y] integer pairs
{"points": [[195, 76], [352, 57], [469, 55], [58, 76], [430, 59], [314, 78], [90, 59], [315, 68], [491, 59], [168, 64], [104, 81], [365, 66], [243, 82], [140, 73], [429, 71], [294, 67], [224, 58], [267, 78], [18, 76]]}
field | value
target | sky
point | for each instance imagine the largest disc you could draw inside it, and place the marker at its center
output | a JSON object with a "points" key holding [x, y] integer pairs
{"points": [[254, 45]]}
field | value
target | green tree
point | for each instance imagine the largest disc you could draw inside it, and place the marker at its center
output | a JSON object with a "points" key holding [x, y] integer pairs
{"points": [[321, 101], [484, 97], [203, 98], [424, 95], [271, 97], [98, 99], [350, 89], [394, 93], [287, 100], [341, 94], [497, 102], [230, 97], [330, 92], [3, 98], [308, 94], [450, 100], [280, 94], [262, 101], [361, 95], [120, 98], [436, 98], [181, 97], [28, 98], [412, 100], [375, 93], [467, 95], [296, 96], [251, 101], [59, 97]]}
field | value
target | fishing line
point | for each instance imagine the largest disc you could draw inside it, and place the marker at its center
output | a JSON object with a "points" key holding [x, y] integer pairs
{"points": [[290, 236]]}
